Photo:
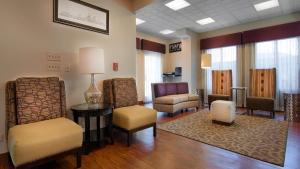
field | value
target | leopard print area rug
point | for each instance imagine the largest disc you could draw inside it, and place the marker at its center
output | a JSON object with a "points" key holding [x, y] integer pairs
{"points": [[255, 137]]}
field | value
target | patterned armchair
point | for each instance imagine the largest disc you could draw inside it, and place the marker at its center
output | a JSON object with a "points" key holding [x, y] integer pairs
{"points": [[262, 90], [127, 115], [221, 86], [36, 111]]}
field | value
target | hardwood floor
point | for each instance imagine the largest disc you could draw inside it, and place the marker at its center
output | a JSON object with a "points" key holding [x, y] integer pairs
{"points": [[169, 151]]}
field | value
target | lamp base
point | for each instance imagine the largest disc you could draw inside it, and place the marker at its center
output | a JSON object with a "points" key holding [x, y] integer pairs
{"points": [[92, 95]]}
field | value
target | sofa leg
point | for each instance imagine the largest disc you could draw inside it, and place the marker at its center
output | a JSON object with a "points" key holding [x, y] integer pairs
{"points": [[272, 115], [129, 138], [78, 158], [154, 130], [171, 114]]}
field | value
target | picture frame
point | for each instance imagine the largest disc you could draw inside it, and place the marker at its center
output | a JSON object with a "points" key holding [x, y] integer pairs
{"points": [[82, 15], [175, 47]]}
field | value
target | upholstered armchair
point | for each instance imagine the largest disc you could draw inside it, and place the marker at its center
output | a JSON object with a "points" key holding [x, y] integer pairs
{"points": [[38, 130], [128, 116], [262, 90], [221, 86]]}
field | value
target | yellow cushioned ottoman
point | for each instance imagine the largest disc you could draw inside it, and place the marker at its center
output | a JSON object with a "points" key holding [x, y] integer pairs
{"points": [[34, 141], [132, 117]]}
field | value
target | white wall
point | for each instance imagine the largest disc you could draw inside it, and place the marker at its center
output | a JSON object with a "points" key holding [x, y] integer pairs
{"points": [[188, 59], [28, 33]]}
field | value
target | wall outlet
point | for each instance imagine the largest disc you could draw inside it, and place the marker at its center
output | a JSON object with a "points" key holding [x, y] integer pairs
{"points": [[1, 137], [54, 67], [53, 57], [67, 68]]}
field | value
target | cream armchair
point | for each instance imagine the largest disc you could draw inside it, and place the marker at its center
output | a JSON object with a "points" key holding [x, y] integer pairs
{"points": [[127, 115], [37, 128]]}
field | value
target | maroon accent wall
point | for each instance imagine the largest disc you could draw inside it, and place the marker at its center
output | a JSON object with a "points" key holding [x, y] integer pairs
{"points": [[272, 33], [153, 46], [138, 43], [221, 41]]}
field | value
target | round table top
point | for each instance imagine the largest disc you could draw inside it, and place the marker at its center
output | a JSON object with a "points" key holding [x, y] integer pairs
{"points": [[85, 106]]}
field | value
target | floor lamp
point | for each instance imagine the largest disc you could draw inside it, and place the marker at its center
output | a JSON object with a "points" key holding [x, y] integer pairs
{"points": [[205, 64]]}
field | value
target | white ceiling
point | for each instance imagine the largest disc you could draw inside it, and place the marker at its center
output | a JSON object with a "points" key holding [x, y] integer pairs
{"points": [[225, 12]]}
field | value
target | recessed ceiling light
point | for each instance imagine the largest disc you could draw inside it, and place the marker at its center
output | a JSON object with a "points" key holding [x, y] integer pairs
{"points": [[166, 31], [205, 21], [139, 21], [266, 5], [177, 4]]}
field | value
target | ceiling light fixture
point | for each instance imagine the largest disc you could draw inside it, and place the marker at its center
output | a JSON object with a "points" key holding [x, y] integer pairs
{"points": [[205, 21], [266, 5], [166, 32], [139, 21], [177, 4]]}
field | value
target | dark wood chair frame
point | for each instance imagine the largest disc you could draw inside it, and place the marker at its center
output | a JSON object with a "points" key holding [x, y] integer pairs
{"points": [[76, 151], [130, 132]]}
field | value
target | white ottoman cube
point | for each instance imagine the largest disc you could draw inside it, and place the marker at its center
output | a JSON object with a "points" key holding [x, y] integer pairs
{"points": [[223, 112]]}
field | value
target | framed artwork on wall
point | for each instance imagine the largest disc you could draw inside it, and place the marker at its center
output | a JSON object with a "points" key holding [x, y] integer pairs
{"points": [[175, 47], [82, 15]]}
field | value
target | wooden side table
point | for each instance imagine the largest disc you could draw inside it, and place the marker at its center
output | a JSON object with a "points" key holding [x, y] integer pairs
{"points": [[86, 111], [292, 107], [244, 92], [200, 93]]}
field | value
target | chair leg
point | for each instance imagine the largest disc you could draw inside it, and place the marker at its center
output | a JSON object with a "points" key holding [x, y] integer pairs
{"points": [[78, 158], [251, 112], [247, 111], [129, 138], [154, 130]]}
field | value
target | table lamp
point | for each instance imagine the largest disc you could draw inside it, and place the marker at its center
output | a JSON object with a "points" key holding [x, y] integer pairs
{"points": [[91, 61]]}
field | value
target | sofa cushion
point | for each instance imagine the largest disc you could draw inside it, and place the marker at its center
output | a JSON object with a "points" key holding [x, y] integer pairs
{"points": [[34, 141], [160, 90], [172, 99], [38, 99], [193, 97], [132, 117], [182, 88], [171, 88]]}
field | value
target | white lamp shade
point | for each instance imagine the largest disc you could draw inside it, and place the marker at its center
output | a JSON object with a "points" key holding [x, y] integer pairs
{"points": [[91, 60], [205, 61]]}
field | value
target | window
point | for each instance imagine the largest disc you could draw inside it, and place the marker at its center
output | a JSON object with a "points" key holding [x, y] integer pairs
{"points": [[222, 59], [153, 72], [284, 55]]}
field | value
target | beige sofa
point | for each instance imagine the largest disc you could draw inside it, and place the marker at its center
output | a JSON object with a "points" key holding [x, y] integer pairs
{"points": [[173, 97]]}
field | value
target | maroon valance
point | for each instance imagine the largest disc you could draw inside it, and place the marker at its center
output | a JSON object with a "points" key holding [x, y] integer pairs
{"points": [[221, 41], [138, 43], [153, 46], [272, 33]]}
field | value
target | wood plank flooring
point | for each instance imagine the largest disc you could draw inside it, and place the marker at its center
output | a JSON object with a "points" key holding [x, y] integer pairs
{"points": [[169, 151]]}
